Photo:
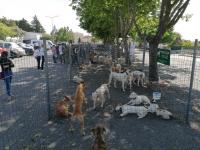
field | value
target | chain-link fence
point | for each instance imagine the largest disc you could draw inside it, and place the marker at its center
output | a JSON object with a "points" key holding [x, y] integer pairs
{"points": [[27, 110], [175, 97]]}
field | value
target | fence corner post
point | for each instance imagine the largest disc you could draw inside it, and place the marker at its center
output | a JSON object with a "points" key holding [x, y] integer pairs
{"points": [[191, 82], [47, 80]]}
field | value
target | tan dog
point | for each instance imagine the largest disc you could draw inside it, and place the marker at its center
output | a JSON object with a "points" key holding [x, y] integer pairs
{"points": [[99, 142], [63, 107], [79, 99]]}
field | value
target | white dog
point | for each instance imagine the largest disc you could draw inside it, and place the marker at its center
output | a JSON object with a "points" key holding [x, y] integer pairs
{"points": [[122, 77], [152, 108], [99, 95], [137, 75], [138, 99], [165, 114], [141, 111]]}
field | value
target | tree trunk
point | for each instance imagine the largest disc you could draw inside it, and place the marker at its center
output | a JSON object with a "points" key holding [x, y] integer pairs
{"points": [[126, 51], [153, 67]]}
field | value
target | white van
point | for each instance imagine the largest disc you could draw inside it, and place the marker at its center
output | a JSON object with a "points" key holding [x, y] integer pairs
{"points": [[49, 43]]}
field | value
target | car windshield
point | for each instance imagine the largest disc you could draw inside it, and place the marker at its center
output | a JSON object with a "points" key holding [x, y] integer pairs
{"points": [[7, 45]]}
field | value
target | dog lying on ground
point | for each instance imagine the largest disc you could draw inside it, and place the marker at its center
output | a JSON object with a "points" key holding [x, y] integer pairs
{"points": [[99, 142], [79, 99], [63, 107], [137, 75], [165, 114], [141, 111], [122, 77], [152, 108], [138, 99], [99, 95]]}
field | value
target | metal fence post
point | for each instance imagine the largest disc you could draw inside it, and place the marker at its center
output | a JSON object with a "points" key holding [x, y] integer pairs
{"points": [[47, 81], [191, 82], [144, 50]]}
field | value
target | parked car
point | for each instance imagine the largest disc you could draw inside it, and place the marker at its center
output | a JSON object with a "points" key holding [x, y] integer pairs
{"points": [[29, 50], [15, 50]]}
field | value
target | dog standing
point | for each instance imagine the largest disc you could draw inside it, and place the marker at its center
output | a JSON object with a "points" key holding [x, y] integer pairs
{"points": [[79, 99], [99, 95], [99, 142], [137, 75], [122, 77]]}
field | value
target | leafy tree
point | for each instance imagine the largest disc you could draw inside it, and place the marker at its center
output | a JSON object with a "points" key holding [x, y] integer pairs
{"points": [[186, 43], [5, 31], [36, 25], [46, 36], [168, 15], [8, 22], [150, 19], [111, 19], [24, 25], [64, 34], [171, 38]]}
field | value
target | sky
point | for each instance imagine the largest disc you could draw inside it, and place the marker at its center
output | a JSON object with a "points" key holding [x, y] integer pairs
{"points": [[63, 15]]}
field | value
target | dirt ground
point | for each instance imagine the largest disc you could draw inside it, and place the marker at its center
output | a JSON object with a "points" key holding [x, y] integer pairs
{"points": [[127, 133]]}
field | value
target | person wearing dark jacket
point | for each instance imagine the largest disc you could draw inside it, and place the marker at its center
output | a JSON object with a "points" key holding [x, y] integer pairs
{"points": [[6, 67]]}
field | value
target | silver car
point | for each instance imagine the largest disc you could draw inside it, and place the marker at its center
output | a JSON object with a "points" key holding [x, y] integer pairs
{"points": [[15, 50]]}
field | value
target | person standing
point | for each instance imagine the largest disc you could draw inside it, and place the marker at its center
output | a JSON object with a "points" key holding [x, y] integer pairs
{"points": [[37, 55], [6, 67], [61, 53], [75, 56], [42, 57], [54, 53]]}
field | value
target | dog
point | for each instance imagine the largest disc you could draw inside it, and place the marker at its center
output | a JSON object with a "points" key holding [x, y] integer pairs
{"points": [[122, 77], [137, 75], [138, 99], [108, 60], [79, 99], [165, 114], [101, 59], [99, 95], [63, 107], [99, 142], [152, 108], [141, 111], [116, 68]]}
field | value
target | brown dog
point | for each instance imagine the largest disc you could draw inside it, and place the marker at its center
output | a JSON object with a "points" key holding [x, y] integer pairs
{"points": [[79, 99], [99, 142], [63, 106]]}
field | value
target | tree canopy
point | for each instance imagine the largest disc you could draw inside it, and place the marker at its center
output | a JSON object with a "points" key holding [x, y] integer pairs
{"points": [[36, 25], [64, 34]]}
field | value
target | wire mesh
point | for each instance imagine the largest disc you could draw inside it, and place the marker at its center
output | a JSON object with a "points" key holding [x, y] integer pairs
{"points": [[178, 74], [26, 111]]}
